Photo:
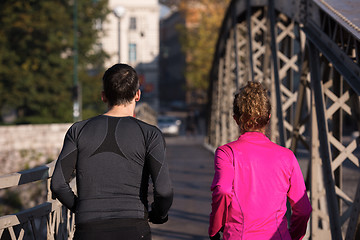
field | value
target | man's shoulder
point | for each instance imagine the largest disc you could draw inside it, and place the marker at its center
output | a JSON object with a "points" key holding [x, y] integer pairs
{"points": [[82, 123], [77, 127], [151, 132], [145, 125]]}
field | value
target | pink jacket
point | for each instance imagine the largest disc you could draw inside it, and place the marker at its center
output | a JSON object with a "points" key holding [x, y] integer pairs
{"points": [[253, 179]]}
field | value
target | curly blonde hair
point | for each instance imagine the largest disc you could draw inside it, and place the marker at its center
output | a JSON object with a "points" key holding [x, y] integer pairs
{"points": [[252, 107]]}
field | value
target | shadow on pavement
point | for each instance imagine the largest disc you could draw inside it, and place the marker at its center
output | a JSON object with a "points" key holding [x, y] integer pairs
{"points": [[170, 234]]}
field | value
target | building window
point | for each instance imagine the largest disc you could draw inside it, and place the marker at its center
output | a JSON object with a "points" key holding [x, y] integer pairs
{"points": [[132, 52], [132, 25]]}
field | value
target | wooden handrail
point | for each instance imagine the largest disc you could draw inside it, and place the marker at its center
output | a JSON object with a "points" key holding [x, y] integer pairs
{"points": [[27, 176], [24, 216], [52, 210]]}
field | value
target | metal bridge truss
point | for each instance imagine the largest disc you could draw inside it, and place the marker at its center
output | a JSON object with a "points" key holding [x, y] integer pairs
{"points": [[307, 54]]}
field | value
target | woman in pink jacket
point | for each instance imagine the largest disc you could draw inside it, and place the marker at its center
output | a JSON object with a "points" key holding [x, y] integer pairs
{"points": [[254, 177]]}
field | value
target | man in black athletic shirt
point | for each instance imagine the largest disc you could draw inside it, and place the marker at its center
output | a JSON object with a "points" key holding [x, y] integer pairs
{"points": [[113, 156]]}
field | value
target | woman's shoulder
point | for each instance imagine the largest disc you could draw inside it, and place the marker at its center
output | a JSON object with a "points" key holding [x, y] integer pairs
{"points": [[281, 149], [228, 147]]}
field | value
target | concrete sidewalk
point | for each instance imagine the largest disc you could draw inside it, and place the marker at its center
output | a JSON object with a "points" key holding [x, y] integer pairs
{"points": [[191, 169]]}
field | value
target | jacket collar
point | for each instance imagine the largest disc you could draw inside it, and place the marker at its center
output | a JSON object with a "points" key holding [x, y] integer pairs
{"points": [[253, 136]]}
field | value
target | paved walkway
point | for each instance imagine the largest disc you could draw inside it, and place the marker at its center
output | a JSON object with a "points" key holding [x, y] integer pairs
{"points": [[191, 169]]}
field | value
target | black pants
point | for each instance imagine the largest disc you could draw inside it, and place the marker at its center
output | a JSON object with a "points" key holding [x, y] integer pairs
{"points": [[114, 229]]}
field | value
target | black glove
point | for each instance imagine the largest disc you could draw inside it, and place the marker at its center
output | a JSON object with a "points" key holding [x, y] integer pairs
{"points": [[157, 219], [215, 237]]}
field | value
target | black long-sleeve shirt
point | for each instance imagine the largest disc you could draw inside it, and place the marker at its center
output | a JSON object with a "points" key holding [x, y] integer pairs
{"points": [[113, 158]]}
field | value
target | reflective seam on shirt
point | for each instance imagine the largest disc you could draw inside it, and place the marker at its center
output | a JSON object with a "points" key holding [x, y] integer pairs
{"points": [[237, 199]]}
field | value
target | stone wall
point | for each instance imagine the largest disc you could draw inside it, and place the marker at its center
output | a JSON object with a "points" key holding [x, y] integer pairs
{"points": [[27, 146]]}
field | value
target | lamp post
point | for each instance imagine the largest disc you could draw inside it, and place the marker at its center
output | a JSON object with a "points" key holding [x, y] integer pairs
{"points": [[76, 90], [119, 12]]}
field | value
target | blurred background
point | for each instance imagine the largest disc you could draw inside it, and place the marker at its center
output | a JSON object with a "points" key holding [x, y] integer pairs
{"points": [[53, 54], [52, 57]]}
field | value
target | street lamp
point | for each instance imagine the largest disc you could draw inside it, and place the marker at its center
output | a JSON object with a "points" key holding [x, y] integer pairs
{"points": [[119, 12], [76, 89]]}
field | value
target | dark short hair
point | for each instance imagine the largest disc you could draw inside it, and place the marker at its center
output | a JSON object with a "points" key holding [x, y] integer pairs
{"points": [[252, 107], [120, 83]]}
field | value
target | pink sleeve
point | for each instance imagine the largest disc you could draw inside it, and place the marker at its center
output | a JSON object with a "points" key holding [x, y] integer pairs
{"points": [[222, 189], [300, 204]]}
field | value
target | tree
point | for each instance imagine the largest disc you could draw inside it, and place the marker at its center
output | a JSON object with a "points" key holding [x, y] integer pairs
{"points": [[198, 38], [170, 3], [36, 61]]}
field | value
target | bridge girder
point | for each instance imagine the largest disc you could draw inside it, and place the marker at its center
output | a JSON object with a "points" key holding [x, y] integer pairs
{"points": [[307, 55]]}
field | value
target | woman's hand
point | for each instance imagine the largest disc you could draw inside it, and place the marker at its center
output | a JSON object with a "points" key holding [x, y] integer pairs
{"points": [[215, 237]]}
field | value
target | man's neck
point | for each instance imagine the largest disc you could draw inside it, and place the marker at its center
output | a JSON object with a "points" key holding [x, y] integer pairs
{"points": [[121, 110]]}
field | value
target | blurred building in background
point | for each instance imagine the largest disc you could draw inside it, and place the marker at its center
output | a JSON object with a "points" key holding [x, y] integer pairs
{"points": [[132, 37], [172, 62]]}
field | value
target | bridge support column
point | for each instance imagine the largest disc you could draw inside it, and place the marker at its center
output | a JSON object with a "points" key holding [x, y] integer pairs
{"points": [[325, 153]]}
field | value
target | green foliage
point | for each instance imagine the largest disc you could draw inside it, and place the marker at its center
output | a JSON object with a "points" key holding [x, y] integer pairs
{"points": [[198, 38], [36, 60], [10, 202]]}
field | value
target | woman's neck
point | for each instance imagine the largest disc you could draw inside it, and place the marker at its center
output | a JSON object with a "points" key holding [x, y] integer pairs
{"points": [[260, 130]]}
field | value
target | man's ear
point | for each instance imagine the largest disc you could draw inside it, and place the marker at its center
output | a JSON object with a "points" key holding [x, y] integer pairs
{"points": [[137, 95], [103, 97]]}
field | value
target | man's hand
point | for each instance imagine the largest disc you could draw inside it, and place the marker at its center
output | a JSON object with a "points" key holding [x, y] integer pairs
{"points": [[156, 219]]}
